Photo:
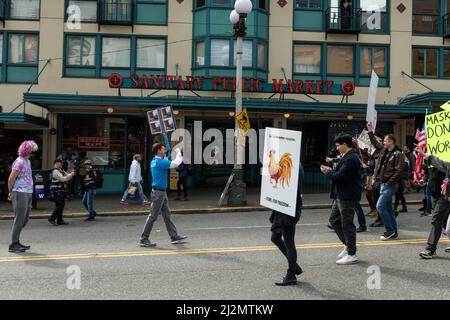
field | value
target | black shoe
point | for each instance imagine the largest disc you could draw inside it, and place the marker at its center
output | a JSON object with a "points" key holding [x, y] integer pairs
{"points": [[147, 243], [178, 239], [404, 209], [361, 229], [427, 254], [62, 223], [426, 214], [24, 246], [90, 219], [330, 227], [422, 209], [16, 248], [388, 236], [298, 270], [52, 222], [287, 282], [377, 224]]}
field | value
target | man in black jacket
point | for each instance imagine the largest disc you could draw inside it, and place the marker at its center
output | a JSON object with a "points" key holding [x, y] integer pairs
{"points": [[346, 191], [283, 235], [440, 193]]}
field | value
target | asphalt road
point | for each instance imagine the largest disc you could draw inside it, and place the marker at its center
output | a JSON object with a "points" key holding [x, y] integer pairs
{"points": [[228, 256]]}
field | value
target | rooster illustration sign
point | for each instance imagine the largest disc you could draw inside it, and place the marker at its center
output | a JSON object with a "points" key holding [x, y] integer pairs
{"points": [[280, 170]]}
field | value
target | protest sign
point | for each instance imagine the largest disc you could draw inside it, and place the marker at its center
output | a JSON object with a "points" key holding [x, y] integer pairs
{"points": [[280, 170]]}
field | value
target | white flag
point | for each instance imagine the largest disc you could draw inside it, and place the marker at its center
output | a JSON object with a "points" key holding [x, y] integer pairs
{"points": [[371, 112]]}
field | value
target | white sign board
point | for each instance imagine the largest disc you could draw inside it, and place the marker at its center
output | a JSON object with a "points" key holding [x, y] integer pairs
{"points": [[371, 112], [280, 170]]}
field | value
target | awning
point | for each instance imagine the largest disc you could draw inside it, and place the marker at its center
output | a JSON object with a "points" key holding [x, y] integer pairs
{"points": [[212, 103], [22, 121], [429, 98]]}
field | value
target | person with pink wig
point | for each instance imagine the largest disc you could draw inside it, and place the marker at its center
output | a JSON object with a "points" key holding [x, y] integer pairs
{"points": [[20, 187]]}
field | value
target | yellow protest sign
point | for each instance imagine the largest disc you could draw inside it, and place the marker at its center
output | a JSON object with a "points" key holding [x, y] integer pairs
{"points": [[438, 134], [446, 106], [244, 121]]}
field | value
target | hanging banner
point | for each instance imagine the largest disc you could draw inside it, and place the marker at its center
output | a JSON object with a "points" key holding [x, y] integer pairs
{"points": [[446, 106], [280, 170], [438, 134]]}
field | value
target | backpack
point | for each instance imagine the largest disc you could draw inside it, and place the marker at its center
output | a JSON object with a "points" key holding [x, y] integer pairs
{"points": [[99, 180]]}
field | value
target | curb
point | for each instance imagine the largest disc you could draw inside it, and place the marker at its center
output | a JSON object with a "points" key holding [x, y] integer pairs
{"points": [[181, 211]]}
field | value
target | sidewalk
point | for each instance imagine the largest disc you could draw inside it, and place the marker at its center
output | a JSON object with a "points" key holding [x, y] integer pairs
{"points": [[201, 200]]}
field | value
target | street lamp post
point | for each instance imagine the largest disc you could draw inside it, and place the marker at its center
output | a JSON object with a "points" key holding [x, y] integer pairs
{"points": [[237, 193]]}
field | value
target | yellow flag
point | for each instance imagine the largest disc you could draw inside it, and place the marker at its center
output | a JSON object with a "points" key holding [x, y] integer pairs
{"points": [[446, 106], [244, 121]]}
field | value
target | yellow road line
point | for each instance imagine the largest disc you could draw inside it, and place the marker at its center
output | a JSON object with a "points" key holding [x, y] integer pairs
{"points": [[164, 252]]}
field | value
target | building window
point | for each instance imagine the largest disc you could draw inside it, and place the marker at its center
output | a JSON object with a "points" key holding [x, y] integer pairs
{"points": [[80, 51], [87, 10], [220, 3], [425, 62], [116, 52], [220, 52], [24, 9], [200, 3], [262, 56], [373, 59], [200, 54], [308, 4], [446, 63], [247, 56], [151, 53], [307, 58], [426, 16], [374, 17], [262, 4], [23, 49], [340, 60]]}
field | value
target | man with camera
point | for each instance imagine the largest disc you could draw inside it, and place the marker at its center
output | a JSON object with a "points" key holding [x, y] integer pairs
{"points": [[59, 189]]}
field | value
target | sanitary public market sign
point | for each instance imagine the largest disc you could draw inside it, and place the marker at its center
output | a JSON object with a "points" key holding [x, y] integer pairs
{"points": [[167, 82]]}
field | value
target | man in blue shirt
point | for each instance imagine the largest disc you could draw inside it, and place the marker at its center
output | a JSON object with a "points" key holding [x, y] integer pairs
{"points": [[160, 203]]}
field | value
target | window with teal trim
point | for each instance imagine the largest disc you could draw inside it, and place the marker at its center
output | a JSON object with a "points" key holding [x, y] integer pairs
{"points": [[87, 9], [340, 60], [199, 54], [425, 62], [23, 9], [307, 59], [373, 58], [309, 15], [152, 12], [426, 17], [308, 4], [374, 16], [80, 56], [22, 58]]}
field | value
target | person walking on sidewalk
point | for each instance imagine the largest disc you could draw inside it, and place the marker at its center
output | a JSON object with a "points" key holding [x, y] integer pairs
{"points": [[135, 180], [346, 190], [90, 189], [59, 191], [183, 174], [20, 193], [160, 203], [283, 235], [389, 167], [440, 193]]}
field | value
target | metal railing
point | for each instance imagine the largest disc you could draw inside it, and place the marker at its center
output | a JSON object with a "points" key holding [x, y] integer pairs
{"points": [[339, 20], [120, 12]]}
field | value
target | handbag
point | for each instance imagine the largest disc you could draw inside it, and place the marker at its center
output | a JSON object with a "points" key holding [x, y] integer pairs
{"points": [[132, 190]]}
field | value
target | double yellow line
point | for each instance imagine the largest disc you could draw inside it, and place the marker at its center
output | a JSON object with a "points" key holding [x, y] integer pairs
{"points": [[165, 252]]}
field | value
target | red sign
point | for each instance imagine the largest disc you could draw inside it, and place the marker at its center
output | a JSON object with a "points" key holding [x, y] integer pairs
{"points": [[93, 143]]}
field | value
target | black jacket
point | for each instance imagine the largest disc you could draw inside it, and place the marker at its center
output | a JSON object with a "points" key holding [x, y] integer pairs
{"points": [[280, 220], [346, 178]]}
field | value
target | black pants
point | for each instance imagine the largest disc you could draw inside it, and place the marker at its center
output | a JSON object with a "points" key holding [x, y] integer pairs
{"points": [[342, 215], [284, 239], [439, 221], [399, 195], [182, 182], [60, 202]]}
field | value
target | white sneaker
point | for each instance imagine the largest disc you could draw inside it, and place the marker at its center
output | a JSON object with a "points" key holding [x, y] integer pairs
{"points": [[343, 253], [348, 259]]}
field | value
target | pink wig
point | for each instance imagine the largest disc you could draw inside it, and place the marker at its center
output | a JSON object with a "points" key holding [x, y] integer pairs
{"points": [[26, 148]]}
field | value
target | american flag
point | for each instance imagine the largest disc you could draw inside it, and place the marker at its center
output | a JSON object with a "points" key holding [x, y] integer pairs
{"points": [[419, 172]]}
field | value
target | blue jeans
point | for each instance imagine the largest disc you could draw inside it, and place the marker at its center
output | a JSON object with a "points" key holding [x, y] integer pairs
{"points": [[361, 217], [88, 202], [384, 207], [140, 192]]}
